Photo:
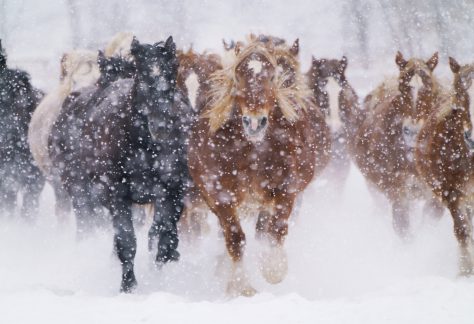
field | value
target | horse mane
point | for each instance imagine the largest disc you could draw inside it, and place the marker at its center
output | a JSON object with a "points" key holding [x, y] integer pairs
{"points": [[120, 42], [222, 85]]}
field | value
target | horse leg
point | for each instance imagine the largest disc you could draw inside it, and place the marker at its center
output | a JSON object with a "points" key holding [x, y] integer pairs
{"points": [[400, 216], [167, 213], [433, 208], [272, 228], [8, 200], [83, 208], [238, 284], [463, 232], [33, 189], [125, 242], [63, 202]]}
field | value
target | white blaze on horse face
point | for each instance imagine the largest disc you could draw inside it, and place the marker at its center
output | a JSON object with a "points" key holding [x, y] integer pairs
{"points": [[192, 84], [155, 70], [334, 121], [416, 83], [255, 65]]}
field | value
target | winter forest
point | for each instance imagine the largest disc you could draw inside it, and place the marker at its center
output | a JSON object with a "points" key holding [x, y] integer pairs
{"points": [[183, 161]]}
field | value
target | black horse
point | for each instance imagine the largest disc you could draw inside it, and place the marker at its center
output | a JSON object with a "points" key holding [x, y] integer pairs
{"points": [[75, 107], [130, 147], [18, 172]]}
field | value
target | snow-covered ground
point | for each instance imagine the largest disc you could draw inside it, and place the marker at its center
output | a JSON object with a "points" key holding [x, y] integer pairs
{"points": [[345, 266]]}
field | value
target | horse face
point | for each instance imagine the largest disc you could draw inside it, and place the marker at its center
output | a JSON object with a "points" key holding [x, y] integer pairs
{"points": [[464, 86], [255, 94], [157, 68], [80, 68], [416, 75], [156, 64], [114, 68]]}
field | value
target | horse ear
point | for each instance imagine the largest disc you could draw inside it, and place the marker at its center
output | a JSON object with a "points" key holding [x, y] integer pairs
{"points": [[63, 64], [454, 65], [135, 46], [433, 61], [343, 63], [170, 45], [101, 60], [295, 48], [228, 46], [237, 48], [400, 60]]}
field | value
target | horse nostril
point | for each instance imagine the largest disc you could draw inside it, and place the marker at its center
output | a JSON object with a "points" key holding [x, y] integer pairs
{"points": [[246, 121], [263, 121]]}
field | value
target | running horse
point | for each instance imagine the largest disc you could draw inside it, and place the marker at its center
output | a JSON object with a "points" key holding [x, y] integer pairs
{"points": [[444, 158], [332, 91], [19, 174], [384, 141], [260, 140]]}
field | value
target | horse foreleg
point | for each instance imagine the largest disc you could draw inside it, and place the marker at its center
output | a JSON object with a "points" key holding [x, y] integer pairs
{"points": [[239, 283], [63, 202], [463, 232], [272, 228], [433, 208], [30, 204], [125, 242], [167, 213], [400, 217]]}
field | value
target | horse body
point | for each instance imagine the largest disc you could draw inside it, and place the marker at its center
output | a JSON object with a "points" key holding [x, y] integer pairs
{"points": [[445, 161], [256, 145], [18, 171], [129, 146], [383, 146]]}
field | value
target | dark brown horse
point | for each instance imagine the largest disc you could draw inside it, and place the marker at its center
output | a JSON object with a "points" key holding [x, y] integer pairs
{"points": [[383, 143], [259, 143], [444, 158], [334, 96]]}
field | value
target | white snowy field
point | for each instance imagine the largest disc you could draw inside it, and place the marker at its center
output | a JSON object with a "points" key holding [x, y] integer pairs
{"points": [[345, 266]]}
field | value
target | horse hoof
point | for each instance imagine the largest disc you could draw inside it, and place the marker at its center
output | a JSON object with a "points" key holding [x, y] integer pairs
{"points": [[170, 256], [236, 290], [274, 265], [128, 285]]}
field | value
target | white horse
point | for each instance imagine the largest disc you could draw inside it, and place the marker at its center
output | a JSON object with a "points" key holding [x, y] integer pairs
{"points": [[78, 69]]}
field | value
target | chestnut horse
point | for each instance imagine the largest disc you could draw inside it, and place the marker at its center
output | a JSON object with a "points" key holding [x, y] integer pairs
{"points": [[330, 87], [383, 145], [193, 76], [260, 140], [444, 158]]}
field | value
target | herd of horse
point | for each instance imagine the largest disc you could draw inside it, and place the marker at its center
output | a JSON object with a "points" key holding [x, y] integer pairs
{"points": [[185, 133]]}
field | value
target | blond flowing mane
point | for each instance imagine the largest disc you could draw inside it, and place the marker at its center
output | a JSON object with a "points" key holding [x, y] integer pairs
{"points": [[291, 99]]}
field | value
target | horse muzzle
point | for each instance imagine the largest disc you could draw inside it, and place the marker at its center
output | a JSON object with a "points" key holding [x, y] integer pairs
{"points": [[254, 127]]}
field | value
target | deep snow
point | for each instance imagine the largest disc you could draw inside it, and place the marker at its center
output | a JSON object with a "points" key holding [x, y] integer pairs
{"points": [[345, 266]]}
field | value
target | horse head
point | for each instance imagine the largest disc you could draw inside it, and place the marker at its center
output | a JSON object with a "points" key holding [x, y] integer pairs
{"points": [[463, 92], [156, 72], [80, 69], [417, 84], [3, 57], [114, 68], [263, 76], [327, 79]]}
